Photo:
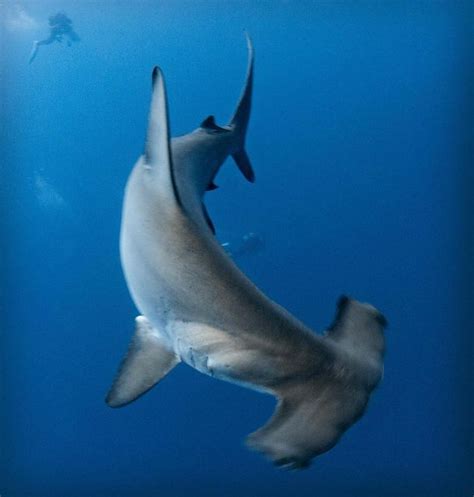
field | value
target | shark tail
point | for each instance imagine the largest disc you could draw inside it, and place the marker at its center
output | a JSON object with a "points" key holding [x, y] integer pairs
{"points": [[239, 121], [313, 413]]}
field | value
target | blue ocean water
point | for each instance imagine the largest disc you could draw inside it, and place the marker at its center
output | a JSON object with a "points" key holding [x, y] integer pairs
{"points": [[360, 139]]}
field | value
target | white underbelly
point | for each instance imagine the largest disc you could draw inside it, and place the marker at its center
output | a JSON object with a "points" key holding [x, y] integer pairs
{"points": [[222, 355]]}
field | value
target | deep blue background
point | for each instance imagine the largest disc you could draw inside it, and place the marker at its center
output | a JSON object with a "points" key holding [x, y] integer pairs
{"points": [[360, 140]]}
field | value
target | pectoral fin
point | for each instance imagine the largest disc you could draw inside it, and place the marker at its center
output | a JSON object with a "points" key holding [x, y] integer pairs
{"points": [[147, 361]]}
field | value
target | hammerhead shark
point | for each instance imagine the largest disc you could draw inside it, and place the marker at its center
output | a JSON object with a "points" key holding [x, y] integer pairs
{"points": [[197, 307]]}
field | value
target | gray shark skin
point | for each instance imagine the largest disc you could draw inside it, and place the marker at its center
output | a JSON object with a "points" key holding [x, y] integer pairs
{"points": [[197, 307]]}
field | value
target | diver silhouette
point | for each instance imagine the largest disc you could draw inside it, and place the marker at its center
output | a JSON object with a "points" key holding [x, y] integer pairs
{"points": [[60, 26], [250, 243]]}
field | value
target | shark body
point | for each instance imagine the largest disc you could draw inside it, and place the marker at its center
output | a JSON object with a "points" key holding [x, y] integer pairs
{"points": [[197, 307]]}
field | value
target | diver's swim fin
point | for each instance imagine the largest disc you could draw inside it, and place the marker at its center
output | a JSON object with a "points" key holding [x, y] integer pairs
{"points": [[34, 51]]}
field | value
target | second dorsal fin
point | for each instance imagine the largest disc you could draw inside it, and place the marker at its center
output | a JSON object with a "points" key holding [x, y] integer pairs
{"points": [[210, 124]]}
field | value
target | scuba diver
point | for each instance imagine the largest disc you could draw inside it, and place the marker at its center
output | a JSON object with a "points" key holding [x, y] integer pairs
{"points": [[250, 243], [60, 26]]}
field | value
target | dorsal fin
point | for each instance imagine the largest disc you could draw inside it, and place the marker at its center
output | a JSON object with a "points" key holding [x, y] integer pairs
{"points": [[157, 151], [157, 155], [210, 124]]}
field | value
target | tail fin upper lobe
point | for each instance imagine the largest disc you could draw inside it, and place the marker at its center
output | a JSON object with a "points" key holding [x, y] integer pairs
{"points": [[240, 119]]}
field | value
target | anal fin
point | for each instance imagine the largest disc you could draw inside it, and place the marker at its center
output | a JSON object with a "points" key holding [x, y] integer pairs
{"points": [[147, 361], [211, 186]]}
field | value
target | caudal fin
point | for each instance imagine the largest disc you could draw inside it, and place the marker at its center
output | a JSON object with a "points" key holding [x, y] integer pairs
{"points": [[239, 121]]}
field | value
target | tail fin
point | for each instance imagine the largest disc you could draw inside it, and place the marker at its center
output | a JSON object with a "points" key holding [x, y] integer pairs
{"points": [[240, 119]]}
